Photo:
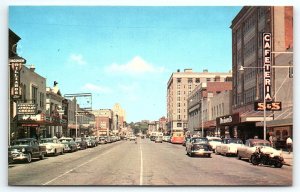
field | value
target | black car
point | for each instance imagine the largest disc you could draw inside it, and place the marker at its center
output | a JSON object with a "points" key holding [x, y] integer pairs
{"points": [[198, 146]]}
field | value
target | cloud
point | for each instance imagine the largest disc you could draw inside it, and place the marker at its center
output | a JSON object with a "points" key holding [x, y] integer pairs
{"points": [[77, 58], [134, 67], [96, 88]]}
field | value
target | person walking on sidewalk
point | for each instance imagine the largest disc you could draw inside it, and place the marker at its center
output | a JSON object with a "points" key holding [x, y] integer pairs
{"points": [[289, 144]]}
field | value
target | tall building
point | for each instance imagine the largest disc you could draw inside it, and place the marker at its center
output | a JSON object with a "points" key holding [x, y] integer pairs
{"points": [[119, 117], [179, 86], [248, 51]]}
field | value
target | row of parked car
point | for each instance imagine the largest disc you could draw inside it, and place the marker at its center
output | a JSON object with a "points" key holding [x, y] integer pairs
{"points": [[27, 148], [205, 146]]}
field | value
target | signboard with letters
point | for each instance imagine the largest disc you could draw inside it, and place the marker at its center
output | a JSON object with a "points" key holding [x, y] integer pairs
{"points": [[16, 66], [26, 109], [267, 61]]}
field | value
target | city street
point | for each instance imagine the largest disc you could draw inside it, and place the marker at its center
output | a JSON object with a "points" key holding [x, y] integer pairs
{"points": [[145, 163]]}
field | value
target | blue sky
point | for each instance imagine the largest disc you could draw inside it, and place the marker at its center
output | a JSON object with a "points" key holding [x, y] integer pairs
{"points": [[122, 54]]}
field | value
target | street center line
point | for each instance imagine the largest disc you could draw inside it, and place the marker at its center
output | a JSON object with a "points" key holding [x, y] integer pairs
{"points": [[141, 172], [75, 168]]}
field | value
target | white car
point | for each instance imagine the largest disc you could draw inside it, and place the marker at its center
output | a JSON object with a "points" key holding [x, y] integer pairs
{"points": [[228, 146], [246, 151], [213, 142], [53, 146]]}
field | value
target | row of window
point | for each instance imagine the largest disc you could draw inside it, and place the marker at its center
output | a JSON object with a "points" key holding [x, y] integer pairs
{"points": [[190, 80], [34, 96]]}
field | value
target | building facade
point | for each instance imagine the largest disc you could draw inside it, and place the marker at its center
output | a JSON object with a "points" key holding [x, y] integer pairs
{"points": [[103, 122], [119, 117], [248, 28], [203, 108], [179, 86]]}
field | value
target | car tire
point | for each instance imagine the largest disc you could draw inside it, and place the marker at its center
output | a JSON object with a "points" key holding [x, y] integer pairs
{"points": [[55, 152], [29, 158], [42, 156], [209, 155], [238, 156]]}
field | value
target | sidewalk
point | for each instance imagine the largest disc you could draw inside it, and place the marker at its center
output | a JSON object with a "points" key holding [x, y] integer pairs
{"points": [[288, 158]]}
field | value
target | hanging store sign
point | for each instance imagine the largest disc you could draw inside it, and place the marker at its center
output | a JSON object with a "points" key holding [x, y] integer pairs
{"points": [[267, 60], [26, 109], [16, 66], [268, 104]]}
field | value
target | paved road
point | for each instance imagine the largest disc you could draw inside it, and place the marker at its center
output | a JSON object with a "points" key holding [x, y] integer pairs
{"points": [[146, 163]]}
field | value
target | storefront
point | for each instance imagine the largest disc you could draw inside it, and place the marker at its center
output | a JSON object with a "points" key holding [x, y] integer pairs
{"points": [[227, 126]]}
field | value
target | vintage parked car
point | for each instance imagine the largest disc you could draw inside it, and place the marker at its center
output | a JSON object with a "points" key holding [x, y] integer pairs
{"points": [[158, 139], [53, 146], [228, 146], [80, 143], [198, 146], [26, 149], [167, 138], [69, 144], [102, 140], [132, 138], [246, 151], [213, 142], [90, 142]]}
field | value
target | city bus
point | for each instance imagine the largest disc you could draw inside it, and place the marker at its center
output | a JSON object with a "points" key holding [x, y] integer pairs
{"points": [[177, 136]]}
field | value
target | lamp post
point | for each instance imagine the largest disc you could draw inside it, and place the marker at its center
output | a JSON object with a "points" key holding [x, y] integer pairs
{"points": [[202, 134]]}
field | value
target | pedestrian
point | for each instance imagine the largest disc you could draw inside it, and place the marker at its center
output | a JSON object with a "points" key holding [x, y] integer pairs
{"points": [[289, 144], [271, 140], [274, 141]]}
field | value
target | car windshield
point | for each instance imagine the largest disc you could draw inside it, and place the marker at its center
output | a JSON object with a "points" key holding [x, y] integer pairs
{"points": [[47, 141], [199, 140], [65, 140], [261, 144], [21, 142], [237, 141], [216, 139]]}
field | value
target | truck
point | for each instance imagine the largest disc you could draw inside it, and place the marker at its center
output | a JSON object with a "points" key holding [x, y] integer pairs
{"points": [[26, 149]]}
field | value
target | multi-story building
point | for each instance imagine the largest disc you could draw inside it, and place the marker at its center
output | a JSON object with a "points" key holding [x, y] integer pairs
{"points": [[179, 86], [248, 52], [162, 127], [54, 109], [119, 117], [103, 121], [203, 109]]}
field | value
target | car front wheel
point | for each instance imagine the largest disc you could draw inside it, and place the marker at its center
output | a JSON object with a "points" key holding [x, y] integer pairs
{"points": [[29, 158]]}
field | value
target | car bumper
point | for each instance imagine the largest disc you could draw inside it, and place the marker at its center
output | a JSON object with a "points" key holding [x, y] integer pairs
{"points": [[201, 152], [19, 156]]}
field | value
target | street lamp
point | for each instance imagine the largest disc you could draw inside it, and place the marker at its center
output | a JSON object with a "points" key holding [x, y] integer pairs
{"points": [[264, 90], [202, 117]]}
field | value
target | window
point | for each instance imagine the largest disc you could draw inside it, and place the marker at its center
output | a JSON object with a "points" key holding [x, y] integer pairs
{"points": [[197, 80], [34, 94], [24, 94], [42, 100], [178, 92], [207, 79], [178, 80], [190, 80]]}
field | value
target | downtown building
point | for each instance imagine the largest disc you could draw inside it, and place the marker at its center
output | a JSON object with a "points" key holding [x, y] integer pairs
{"points": [[179, 86], [248, 28], [103, 122], [38, 111], [207, 102]]}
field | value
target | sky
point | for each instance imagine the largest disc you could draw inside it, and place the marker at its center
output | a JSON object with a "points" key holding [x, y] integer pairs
{"points": [[122, 55]]}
